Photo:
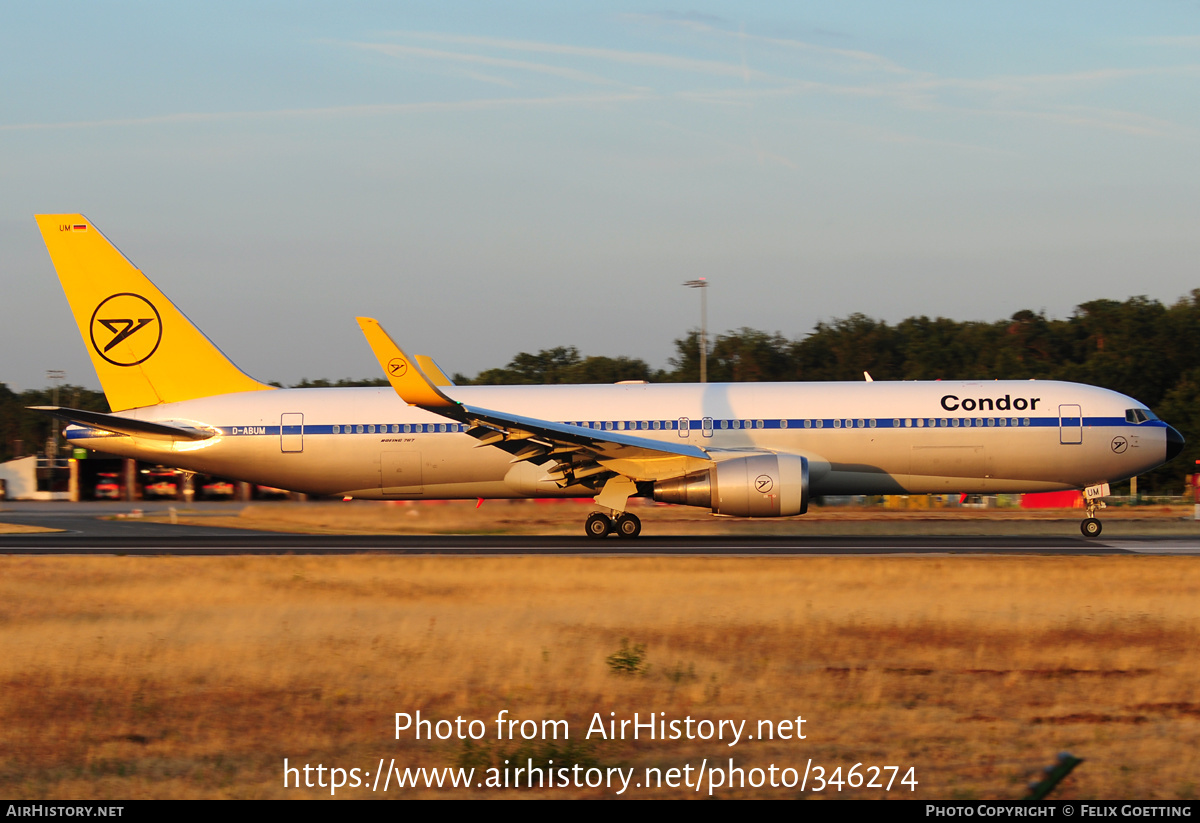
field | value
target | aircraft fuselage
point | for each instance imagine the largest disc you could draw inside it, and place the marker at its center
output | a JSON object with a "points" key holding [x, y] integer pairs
{"points": [[859, 438]]}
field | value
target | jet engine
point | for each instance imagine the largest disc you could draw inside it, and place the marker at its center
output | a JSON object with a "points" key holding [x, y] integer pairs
{"points": [[762, 485]]}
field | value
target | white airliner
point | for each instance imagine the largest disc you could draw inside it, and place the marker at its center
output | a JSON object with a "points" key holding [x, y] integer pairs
{"points": [[744, 449]]}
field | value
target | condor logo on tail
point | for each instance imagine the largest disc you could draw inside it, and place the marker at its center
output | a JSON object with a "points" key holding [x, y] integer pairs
{"points": [[126, 329]]}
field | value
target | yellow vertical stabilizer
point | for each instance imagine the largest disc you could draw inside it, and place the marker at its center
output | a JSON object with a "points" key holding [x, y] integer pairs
{"points": [[143, 348]]}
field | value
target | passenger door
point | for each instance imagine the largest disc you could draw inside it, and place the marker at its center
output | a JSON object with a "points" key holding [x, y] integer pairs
{"points": [[1070, 424]]}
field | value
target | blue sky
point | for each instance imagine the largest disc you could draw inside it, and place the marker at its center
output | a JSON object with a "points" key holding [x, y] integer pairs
{"points": [[493, 178]]}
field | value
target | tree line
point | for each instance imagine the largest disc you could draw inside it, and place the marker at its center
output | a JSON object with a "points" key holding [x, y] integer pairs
{"points": [[1138, 347]]}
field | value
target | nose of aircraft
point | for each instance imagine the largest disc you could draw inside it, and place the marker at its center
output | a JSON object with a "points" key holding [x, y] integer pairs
{"points": [[1174, 443]]}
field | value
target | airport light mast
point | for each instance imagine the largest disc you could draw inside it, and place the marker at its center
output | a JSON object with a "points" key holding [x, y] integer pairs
{"points": [[55, 376], [702, 284]]}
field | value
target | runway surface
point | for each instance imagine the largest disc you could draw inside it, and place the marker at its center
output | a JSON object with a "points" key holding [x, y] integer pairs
{"points": [[84, 532]]}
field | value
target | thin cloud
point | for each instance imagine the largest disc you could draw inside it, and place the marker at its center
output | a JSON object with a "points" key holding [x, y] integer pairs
{"points": [[1092, 118], [342, 111], [765, 156], [1012, 96], [677, 18], [1010, 84], [396, 50], [488, 78], [1103, 119], [650, 59], [1186, 40], [863, 59]]}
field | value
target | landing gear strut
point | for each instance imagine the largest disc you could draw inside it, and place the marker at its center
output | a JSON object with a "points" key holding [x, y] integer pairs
{"points": [[599, 524], [1091, 526]]}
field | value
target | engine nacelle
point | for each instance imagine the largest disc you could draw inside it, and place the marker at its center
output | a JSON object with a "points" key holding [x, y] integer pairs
{"points": [[763, 485]]}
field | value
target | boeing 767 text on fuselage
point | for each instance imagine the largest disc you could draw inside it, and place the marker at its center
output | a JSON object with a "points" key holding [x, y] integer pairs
{"points": [[742, 449]]}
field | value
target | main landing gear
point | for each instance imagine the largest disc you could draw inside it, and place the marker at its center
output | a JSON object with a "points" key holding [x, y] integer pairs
{"points": [[599, 524]]}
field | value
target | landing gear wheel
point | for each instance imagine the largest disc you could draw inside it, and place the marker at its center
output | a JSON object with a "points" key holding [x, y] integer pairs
{"points": [[628, 525], [598, 525], [1091, 527]]}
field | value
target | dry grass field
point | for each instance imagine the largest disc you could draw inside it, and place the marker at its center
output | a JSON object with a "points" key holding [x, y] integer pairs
{"points": [[16, 528], [135, 677]]}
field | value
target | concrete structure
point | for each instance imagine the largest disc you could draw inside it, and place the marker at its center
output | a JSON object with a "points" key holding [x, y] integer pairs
{"points": [[20, 481]]}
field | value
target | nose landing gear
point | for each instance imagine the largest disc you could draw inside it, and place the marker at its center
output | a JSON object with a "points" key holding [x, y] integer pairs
{"points": [[1091, 527]]}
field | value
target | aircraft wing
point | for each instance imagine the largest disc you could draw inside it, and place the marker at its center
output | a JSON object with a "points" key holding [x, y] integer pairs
{"points": [[124, 425], [581, 449], [578, 452]]}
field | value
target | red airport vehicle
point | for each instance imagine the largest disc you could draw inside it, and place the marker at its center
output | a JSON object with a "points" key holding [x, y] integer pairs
{"points": [[108, 487], [218, 490], [161, 483]]}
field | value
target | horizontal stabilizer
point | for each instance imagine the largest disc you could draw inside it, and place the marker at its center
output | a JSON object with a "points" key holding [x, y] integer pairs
{"points": [[124, 425]]}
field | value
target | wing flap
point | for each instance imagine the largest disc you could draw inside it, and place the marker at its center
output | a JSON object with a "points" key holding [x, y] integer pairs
{"points": [[606, 444], [579, 448]]}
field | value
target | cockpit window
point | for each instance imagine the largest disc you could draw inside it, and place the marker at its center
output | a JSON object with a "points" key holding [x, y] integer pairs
{"points": [[1139, 415]]}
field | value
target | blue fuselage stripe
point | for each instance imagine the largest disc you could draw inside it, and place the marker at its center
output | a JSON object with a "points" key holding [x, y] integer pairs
{"points": [[721, 425]]}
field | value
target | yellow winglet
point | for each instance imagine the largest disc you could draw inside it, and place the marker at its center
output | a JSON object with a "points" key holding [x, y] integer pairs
{"points": [[436, 376], [402, 371]]}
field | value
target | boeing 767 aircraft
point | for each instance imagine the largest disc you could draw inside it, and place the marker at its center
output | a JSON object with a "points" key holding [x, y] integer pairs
{"points": [[744, 449]]}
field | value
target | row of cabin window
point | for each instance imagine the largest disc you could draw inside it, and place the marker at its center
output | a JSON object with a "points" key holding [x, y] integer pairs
{"points": [[646, 425], [708, 425], [919, 422], [934, 422], [396, 428], [682, 424]]}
